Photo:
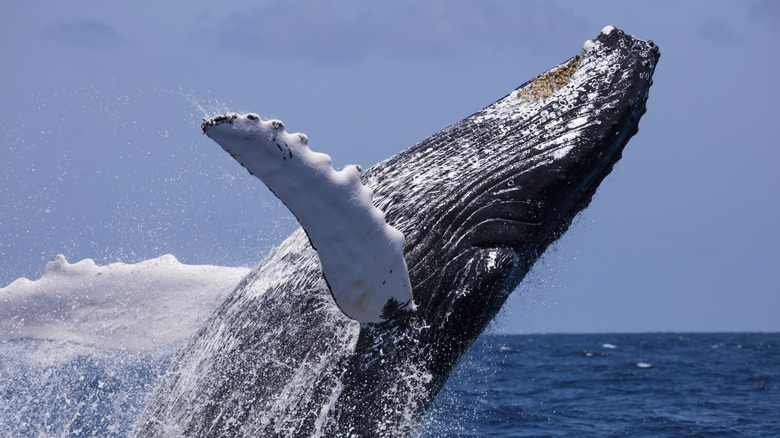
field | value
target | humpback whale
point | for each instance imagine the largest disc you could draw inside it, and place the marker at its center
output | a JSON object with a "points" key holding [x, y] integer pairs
{"points": [[478, 203]]}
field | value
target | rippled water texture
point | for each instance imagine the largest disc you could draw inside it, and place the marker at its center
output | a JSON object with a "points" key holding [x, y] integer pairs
{"points": [[614, 385], [508, 386]]}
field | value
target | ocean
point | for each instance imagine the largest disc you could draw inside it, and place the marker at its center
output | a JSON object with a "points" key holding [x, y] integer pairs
{"points": [[557, 385], [661, 384]]}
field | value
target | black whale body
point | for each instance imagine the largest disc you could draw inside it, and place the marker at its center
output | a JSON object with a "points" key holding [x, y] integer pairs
{"points": [[478, 202]]}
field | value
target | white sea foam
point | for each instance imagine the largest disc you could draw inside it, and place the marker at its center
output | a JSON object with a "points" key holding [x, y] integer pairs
{"points": [[146, 306]]}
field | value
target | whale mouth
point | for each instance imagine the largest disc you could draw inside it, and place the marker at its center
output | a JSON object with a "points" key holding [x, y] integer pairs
{"points": [[499, 232], [503, 224]]}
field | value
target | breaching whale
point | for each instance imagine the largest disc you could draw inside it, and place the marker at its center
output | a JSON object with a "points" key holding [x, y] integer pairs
{"points": [[477, 202]]}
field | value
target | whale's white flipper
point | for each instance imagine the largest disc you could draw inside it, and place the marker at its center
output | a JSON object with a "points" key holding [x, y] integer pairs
{"points": [[361, 255]]}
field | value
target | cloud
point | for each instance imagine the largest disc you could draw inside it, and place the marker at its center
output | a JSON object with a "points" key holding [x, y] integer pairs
{"points": [[766, 9], [83, 33], [351, 29], [718, 31], [766, 12]]}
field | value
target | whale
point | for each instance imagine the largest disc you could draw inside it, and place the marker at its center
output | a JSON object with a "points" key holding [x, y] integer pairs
{"points": [[478, 203]]}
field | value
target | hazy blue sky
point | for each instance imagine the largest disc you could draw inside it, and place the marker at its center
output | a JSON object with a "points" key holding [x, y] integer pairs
{"points": [[102, 155]]}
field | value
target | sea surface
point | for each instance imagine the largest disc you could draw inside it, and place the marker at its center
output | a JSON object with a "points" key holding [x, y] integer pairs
{"points": [[659, 384]]}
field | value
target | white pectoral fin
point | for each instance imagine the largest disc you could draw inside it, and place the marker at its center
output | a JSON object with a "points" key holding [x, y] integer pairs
{"points": [[361, 254], [374, 288]]}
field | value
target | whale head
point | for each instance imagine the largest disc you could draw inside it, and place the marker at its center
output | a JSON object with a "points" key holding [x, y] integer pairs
{"points": [[481, 200]]}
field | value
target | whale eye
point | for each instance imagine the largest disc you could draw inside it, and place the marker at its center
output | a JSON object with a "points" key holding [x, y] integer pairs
{"points": [[253, 117]]}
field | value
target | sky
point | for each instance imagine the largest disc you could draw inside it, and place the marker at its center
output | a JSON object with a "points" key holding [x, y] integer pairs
{"points": [[102, 155]]}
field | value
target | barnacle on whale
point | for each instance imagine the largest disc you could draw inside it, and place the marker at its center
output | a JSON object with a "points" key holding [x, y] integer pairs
{"points": [[547, 84]]}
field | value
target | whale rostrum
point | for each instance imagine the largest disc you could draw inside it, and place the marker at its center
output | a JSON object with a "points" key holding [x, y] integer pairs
{"points": [[478, 203]]}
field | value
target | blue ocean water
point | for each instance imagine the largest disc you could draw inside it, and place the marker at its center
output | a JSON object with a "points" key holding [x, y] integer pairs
{"points": [[681, 385], [670, 385]]}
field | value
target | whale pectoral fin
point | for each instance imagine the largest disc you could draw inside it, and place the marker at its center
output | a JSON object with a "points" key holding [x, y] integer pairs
{"points": [[360, 253]]}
